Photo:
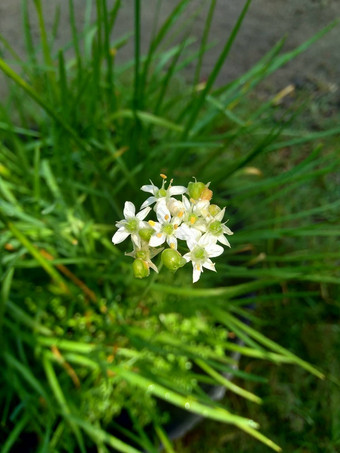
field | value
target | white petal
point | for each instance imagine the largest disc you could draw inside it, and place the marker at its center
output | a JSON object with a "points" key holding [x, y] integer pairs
{"points": [[220, 215], [129, 210], [162, 212], [201, 226], [189, 234], [172, 240], [181, 232], [196, 273], [223, 240], [208, 239], [142, 214], [226, 230], [149, 188], [121, 223], [148, 202], [156, 240], [120, 236], [201, 207], [136, 239], [187, 257], [186, 203], [214, 250], [177, 190], [158, 228], [193, 239], [208, 264]]}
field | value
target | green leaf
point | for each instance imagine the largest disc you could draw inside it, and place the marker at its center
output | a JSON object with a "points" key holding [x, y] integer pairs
{"points": [[146, 118]]}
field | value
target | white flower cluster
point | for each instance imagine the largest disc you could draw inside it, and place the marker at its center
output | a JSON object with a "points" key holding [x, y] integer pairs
{"points": [[192, 219]]}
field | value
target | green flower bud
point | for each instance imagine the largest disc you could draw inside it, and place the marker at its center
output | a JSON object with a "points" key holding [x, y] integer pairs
{"points": [[172, 259], [145, 233], [214, 209], [140, 268], [195, 189]]}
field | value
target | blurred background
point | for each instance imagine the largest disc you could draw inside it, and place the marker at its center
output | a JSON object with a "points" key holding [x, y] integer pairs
{"points": [[268, 20]]}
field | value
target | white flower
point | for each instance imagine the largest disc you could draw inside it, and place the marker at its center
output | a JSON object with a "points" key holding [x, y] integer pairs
{"points": [[159, 194], [216, 229], [131, 224], [193, 224], [200, 253], [188, 233], [165, 228]]}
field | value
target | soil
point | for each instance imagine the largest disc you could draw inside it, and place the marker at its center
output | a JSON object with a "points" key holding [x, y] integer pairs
{"points": [[265, 23]]}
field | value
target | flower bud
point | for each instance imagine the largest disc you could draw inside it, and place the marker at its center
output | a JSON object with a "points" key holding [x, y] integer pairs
{"points": [[172, 259], [206, 194], [140, 268], [195, 189], [175, 207], [214, 209], [146, 233]]}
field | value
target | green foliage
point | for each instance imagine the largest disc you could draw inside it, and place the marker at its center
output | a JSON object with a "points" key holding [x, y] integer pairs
{"points": [[85, 344]]}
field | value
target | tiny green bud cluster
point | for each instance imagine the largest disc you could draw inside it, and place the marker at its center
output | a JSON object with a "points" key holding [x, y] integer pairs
{"points": [[192, 219]]}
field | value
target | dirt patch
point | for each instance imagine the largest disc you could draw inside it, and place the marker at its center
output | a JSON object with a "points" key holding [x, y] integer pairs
{"points": [[266, 22]]}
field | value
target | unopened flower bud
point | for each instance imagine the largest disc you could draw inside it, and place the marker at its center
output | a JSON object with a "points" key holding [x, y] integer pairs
{"points": [[172, 259], [214, 209], [175, 207], [195, 189], [146, 233], [140, 268], [206, 194]]}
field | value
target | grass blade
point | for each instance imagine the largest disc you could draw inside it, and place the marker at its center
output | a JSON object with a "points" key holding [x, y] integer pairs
{"points": [[214, 73], [49, 110], [15, 433]]}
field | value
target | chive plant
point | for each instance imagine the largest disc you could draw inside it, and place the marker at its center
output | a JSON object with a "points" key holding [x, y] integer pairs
{"points": [[86, 345]]}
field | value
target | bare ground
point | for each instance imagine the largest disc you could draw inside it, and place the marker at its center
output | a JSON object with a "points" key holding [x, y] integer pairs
{"points": [[266, 22]]}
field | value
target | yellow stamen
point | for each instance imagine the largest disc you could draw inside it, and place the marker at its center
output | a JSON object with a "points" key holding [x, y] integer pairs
{"points": [[172, 245], [163, 176], [167, 217], [159, 235], [151, 223], [175, 226], [192, 219], [180, 214]]}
